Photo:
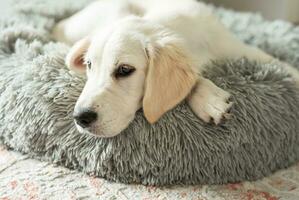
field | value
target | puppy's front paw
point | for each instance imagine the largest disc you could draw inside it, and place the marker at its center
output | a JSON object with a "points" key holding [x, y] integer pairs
{"points": [[209, 102]]}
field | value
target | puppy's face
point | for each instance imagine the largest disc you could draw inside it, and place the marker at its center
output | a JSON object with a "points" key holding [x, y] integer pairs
{"points": [[128, 67]]}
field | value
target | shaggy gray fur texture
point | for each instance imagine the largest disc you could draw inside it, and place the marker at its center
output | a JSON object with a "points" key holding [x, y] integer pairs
{"points": [[38, 93]]}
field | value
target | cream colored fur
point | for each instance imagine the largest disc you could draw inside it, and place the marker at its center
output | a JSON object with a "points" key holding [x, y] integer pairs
{"points": [[170, 78]]}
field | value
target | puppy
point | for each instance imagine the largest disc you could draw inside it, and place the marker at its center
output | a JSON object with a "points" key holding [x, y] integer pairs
{"points": [[147, 54]]}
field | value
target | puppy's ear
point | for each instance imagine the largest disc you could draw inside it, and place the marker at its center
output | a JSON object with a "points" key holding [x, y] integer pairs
{"points": [[75, 58], [170, 77]]}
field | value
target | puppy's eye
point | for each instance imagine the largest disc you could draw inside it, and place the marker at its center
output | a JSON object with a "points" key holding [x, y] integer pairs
{"points": [[88, 64], [124, 70]]}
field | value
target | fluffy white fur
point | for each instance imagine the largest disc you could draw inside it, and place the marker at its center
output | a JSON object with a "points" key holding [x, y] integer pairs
{"points": [[168, 42]]}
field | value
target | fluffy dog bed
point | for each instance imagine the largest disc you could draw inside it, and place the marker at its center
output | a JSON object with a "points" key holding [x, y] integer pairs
{"points": [[38, 93]]}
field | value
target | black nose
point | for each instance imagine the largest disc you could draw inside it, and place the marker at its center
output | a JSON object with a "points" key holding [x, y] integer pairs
{"points": [[85, 118]]}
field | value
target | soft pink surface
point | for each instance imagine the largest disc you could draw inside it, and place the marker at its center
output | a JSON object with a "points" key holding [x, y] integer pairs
{"points": [[25, 178]]}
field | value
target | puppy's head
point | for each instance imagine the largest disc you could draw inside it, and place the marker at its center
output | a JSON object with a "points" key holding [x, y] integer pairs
{"points": [[136, 64]]}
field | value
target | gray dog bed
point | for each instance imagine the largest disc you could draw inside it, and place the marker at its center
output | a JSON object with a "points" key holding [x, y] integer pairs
{"points": [[38, 93]]}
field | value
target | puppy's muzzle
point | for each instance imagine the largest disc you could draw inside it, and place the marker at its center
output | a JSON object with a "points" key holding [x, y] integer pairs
{"points": [[85, 118]]}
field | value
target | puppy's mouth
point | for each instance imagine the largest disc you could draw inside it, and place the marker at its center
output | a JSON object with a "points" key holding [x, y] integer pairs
{"points": [[93, 131]]}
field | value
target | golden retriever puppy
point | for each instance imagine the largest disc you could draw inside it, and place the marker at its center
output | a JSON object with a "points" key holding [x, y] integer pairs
{"points": [[147, 54]]}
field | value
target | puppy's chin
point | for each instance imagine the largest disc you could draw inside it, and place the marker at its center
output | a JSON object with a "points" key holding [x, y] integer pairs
{"points": [[94, 131]]}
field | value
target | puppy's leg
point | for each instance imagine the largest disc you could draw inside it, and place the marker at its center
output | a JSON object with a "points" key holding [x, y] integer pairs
{"points": [[95, 16], [256, 54], [81, 24], [209, 102]]}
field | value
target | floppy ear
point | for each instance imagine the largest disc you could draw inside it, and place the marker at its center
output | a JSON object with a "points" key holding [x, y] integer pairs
{"points": [[170, 78], [75, 58]]}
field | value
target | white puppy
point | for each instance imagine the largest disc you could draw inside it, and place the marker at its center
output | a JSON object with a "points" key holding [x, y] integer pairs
{"points": [[147, 54]]}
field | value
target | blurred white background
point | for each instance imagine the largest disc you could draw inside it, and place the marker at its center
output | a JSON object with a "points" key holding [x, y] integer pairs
{"points": [[271, 9], [5, 6]]}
